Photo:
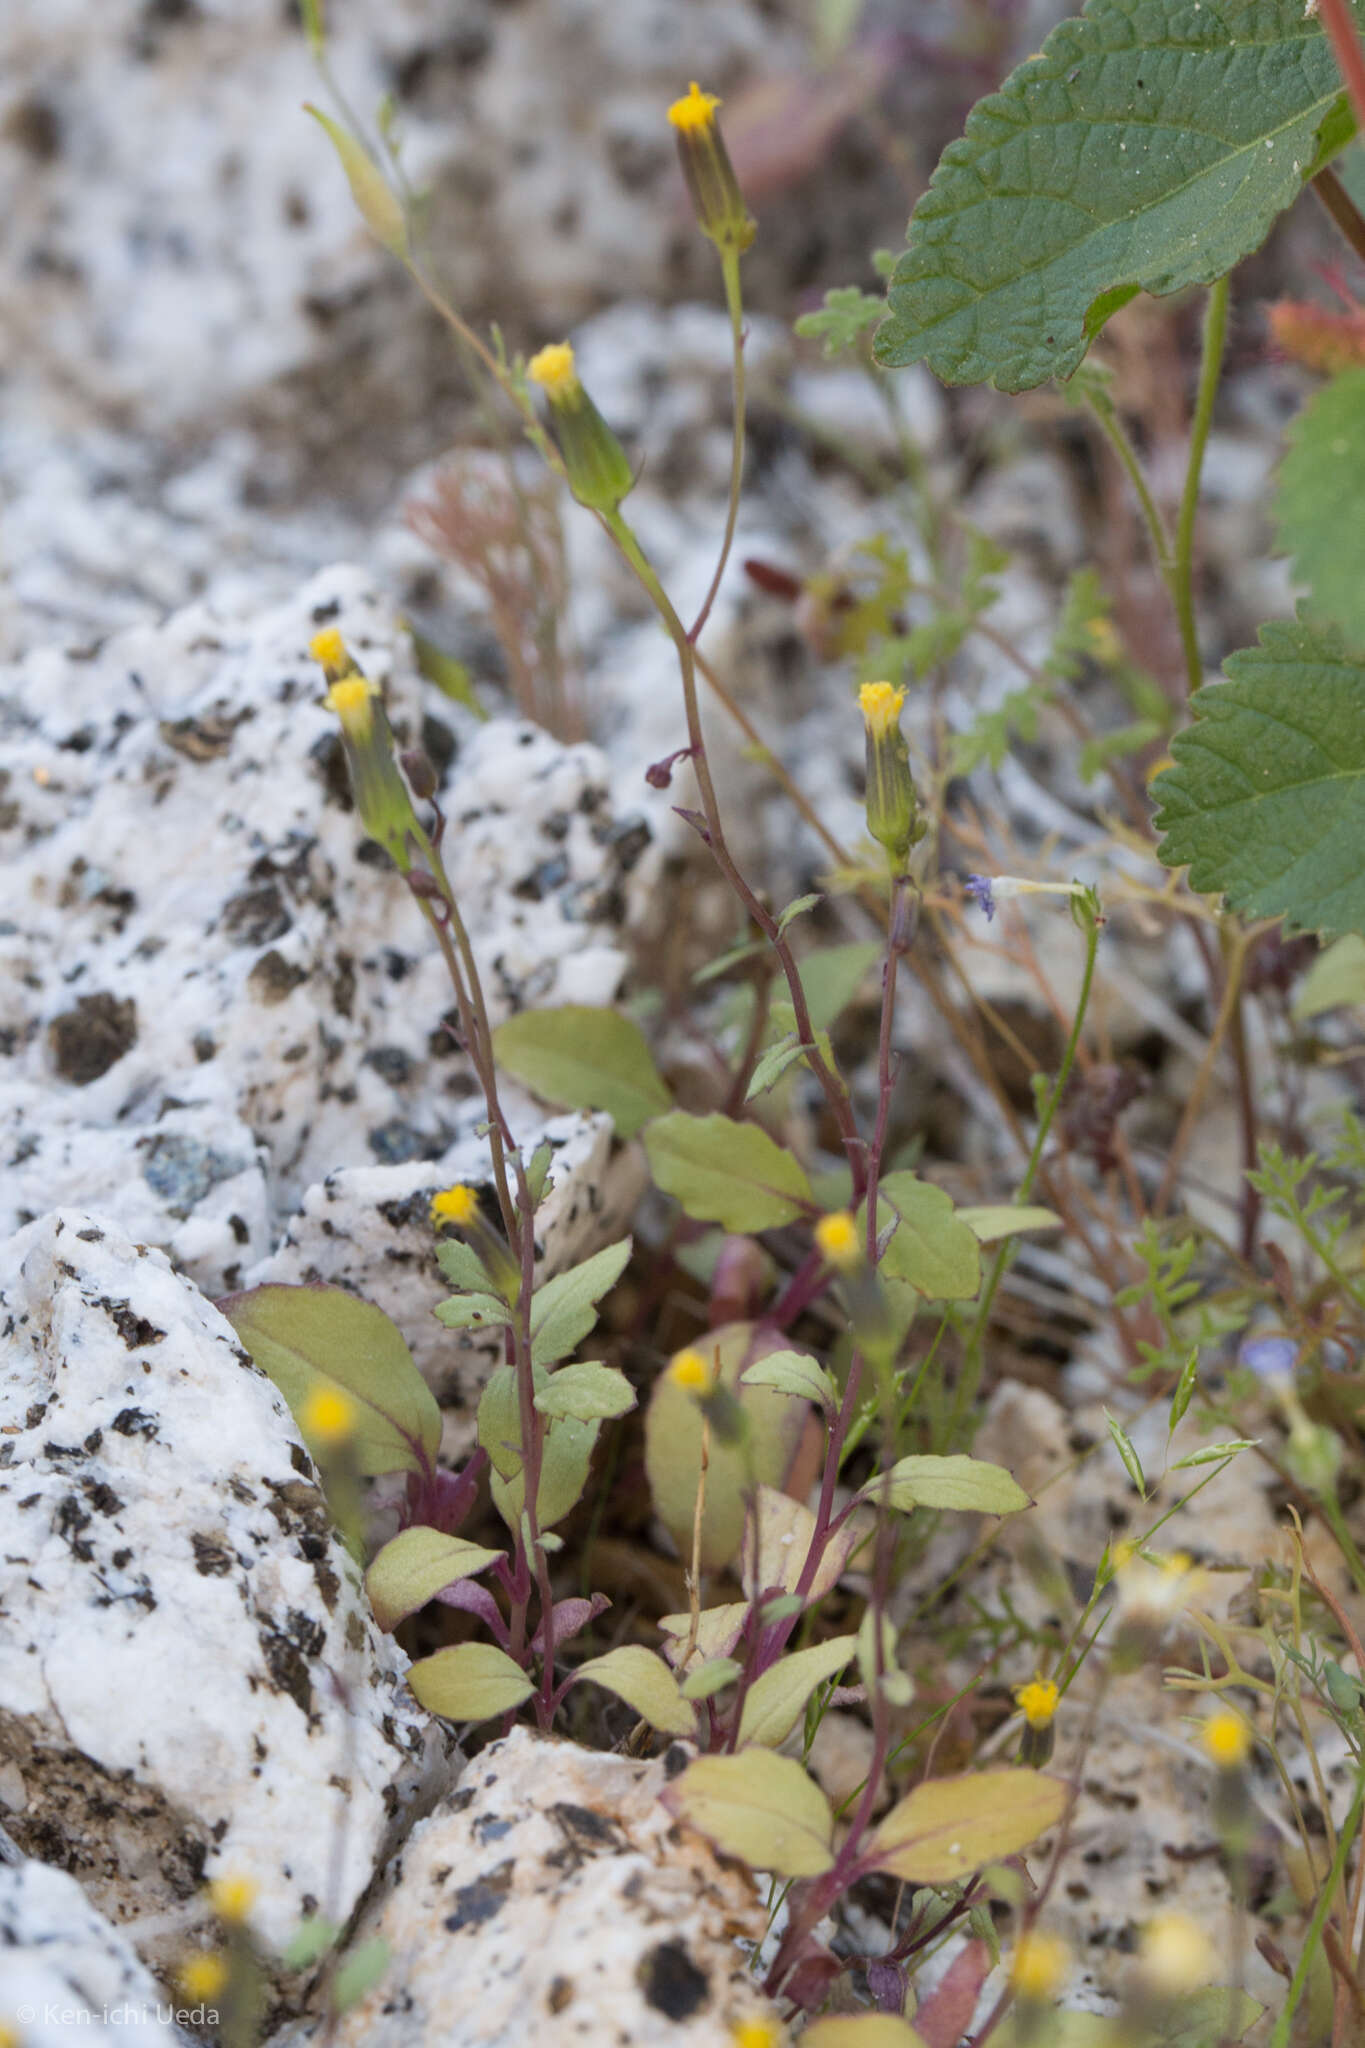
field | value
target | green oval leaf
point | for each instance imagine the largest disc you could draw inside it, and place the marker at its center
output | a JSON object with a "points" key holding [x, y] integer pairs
{"points": [[710, 1678], [727, 1173], [759, 1807], [969, 1485], [414, 1566], [1320, 502], [471, 1682], [1336, 979], [645, 1683], [588, 1392], [988, 1225], [565, 1308], [312, 1339], [1148, 146], [585, 1058], [777, 1698], [1265, 802], [931, 1247], [949, 1827], [794, 1372]]}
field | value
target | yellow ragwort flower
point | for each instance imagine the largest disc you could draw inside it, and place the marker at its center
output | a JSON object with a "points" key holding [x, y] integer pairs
{"points": [[1040, 1967], [695, 112], [1037, 1701], [203, 1978], [1227, 1740], [1177, 1956], [458, 1205], [352, 700], [758, 2030], [329, 649], [328, 1416], [690, 1371], [233, 1896], [881, 706], [837, 1238], [553, 369]]}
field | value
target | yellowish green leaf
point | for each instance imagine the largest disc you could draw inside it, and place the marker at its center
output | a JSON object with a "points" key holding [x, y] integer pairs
{"points": [[646, 1684], [759, 1807], [949, 1827], [470, 1682], [414, 1566], [777, 1698]]}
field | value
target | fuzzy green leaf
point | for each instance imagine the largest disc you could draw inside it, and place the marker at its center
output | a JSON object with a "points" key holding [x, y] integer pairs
{"points": [[949, 1827], [319, 1339], [1336, 978], [1149, 146], [1128, 1456], [645, 1683], [585, 1058], [831, 977], [777, 1698], [862, 2030], [473, 1312], [727, 1173], [966, 1485], [461, 1265], [1320, 502], [759, 1807], [358, 1972], [932, 1248], [414, 1566], [588, 1392], [988, 1225], [1265, 802], [471, 1682], [794, 1372], [565, 1308], [710, 1678]]}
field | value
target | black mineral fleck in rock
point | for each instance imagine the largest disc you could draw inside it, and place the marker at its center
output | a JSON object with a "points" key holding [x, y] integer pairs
{"points": [[87, 1041]]}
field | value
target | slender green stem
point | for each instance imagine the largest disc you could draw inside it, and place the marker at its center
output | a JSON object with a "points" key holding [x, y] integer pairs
{"points": [[1182, 568], [836, 1094], [1284, 2024], [729, 261], [970, 1375], [1112, 427]]}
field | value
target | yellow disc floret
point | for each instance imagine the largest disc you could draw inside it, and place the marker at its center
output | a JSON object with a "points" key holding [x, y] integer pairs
{"points": [[458, 1205], [881, 706], [1040, 1967], [203, 1978], [690, 1371], [329, 648], [328, 1416], [1227, 1740], [758, 2030], [1177, 1956], [1037, 1701], [695, 111], [553, 369], [233, 1895], [350, 699], [837, 1238]]}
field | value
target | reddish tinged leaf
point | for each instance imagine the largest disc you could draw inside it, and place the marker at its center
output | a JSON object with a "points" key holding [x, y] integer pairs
{"points": [[944, 2017], [1317, 337]]}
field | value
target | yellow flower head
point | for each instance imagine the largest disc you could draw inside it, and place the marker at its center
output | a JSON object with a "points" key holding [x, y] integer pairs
{"points": [[695, 112], [459, 1205], [1037, 1701], [328, 1416], [233, 1896], [328, 648], [351, 699], [758, 2030], [1040, 1967], [690, 1371], [8, 2037], [553, 369], [1227, 1740], [203, 1978], [837, 1237], [881, 706], [1177, 1956]]}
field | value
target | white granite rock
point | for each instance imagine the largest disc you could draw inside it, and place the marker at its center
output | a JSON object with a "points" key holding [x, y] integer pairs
{"points": [[552, 1899], [212, 995], [67, 1975], [193, 1683]]}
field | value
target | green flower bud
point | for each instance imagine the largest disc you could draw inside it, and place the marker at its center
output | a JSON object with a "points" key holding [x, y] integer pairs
{"points": [[711, 181], [891, 802], [599, 474]]}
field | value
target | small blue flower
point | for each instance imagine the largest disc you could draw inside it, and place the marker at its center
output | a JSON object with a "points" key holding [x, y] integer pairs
{"points": [[979, 888], [1270, 1358]]}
